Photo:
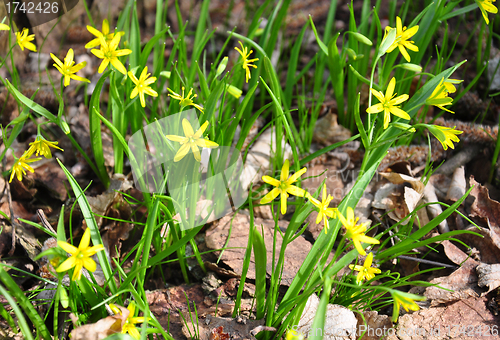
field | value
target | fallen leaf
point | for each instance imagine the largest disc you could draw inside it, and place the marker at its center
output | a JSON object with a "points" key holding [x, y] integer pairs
{"points": [[484, 206], [102, 328], [217, 235], [489, 276], [462, 282], [465, 319]]}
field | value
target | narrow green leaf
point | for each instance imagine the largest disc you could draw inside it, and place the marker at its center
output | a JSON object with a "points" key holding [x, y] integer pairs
{"points": [[318, 39], [260, 254], [15, 292], [95, 130]]}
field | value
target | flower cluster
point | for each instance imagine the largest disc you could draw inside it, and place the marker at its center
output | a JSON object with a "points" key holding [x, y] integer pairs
{"points": [[40, 146]]}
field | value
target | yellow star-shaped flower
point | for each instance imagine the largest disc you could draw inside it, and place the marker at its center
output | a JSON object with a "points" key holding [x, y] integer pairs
{"points": [[129, 326], [388, 103], [22, 163], [354, 231], [68, 68], [105, 33], [192, 140], [407, 300], [446, 136], [24, 40], [109, 54], [185, 101], [402, 36], [283, 186], [487, 6], [324, 211], [247, 63], [4, 27], [80, 257], [142, 86], [42, 147], [439, 96], [365, 271]]}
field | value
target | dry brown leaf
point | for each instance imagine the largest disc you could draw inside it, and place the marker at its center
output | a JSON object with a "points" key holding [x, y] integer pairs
{"points": [[327, 131], [215, 328], [489, 276], [465, 319], [463, 281], [484, 206], [102, 328], [216, 238], [372, 325], [488, 245]]}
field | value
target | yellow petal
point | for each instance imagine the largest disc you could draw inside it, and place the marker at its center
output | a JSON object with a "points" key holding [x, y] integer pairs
{"points": [[67, 247], [84, 243], [67, 264], [89, 264], [270, 196]]}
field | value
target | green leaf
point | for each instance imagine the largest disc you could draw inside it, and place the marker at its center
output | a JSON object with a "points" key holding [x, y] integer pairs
{"points": [[318, 39], [95, 130], [260, 254], [12, 291]]}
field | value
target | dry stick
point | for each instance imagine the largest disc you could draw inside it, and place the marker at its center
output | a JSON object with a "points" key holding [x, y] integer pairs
{"points": [[434, 263], [461, 158]]}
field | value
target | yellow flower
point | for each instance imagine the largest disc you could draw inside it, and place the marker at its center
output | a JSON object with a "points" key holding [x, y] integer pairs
{"points": [[292, 334], [80, 257], [445, 135], [4, 27], [486, 6], [109, 54], [185, 101], [42, 147], [24, 40], [406, 300], [402, 36], [105, 33], [283, 186], [324, 211], [388, 104], [142, 86], [439, 96], [129, 326], [246, 62], [21, 164], [68, 69], [449, 84], [365, 271], [191, 141], [354, 231]]}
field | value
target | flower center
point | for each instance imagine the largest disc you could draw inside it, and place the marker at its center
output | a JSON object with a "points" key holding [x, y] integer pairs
{"points": [[79, 255]]}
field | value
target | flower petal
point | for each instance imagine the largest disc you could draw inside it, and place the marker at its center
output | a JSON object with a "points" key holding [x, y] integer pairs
{"points": [[270, 196], [67, 264], [89, 264], [188, 129], [285, 171], [67, 247], [84, 243]]}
